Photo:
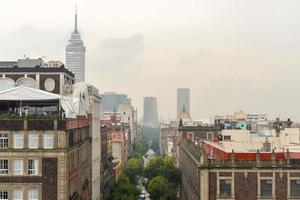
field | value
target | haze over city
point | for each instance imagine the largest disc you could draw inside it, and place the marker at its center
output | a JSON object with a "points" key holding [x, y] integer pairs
{"points": [[233, 55]]}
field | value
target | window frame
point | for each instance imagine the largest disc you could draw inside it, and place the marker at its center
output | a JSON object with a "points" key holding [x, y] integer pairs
{"points": [[1, 194], [220, 186], [21, 197], [21, 170], [4, 140], [31, 144], [221, 178], [2, 170], [290, 179], [33, 171], [261, 189], [271, 178], [20, 137], [46, 139], [291, 193], [29, 192]]}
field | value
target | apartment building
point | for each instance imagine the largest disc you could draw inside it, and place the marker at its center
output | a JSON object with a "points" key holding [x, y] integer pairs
{"points": [[241, 166], [43, 155]]}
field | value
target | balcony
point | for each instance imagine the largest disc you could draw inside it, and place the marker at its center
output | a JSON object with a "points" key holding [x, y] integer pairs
{"points": [[9, 123]]}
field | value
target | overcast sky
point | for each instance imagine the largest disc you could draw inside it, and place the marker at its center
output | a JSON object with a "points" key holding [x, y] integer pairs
{"points": [[233, 54]]}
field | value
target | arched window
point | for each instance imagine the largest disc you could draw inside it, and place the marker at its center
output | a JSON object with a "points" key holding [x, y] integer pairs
{"points": [[27, 82], [6, 83]]}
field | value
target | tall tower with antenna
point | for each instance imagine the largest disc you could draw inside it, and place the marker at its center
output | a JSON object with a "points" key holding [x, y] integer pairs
{"points": [[75, 53]]}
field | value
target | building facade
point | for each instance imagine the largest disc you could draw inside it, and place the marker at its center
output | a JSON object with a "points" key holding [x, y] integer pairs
{"points": [[111, 101], [75, 54], [216, 170], [183, 100], [106, 164], [45, 158], [150, 118], [56, 80]]}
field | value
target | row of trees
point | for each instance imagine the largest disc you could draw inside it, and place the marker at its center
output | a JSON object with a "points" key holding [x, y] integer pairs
{"points": [[161, 172], [126, 188]]}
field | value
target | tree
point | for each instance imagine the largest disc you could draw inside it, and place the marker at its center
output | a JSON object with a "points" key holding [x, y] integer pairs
{"points": [[155, 167], [171, 172], [163, 166], [133, 168], [124, 190], [140, 147], [135, 155], [157, 188]]}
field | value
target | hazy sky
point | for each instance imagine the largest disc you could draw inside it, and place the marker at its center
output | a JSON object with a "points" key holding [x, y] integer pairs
{"points": [[233, 54]]}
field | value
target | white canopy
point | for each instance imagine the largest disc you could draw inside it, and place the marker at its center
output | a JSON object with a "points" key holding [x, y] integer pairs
{"points": [[22, 93]]}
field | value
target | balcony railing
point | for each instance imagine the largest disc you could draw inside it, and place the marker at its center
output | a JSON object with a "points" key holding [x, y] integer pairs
{"points": [[13, 123]]}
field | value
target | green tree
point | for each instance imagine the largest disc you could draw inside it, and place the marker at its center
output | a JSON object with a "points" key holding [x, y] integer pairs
{"points": [[140, 147], [135, 155], [133, 168], [124, 190], [155, 167], [157, 188], [163, 166]]}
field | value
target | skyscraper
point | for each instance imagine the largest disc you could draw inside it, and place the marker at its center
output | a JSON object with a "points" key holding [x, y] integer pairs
{"points": [[183, 100], [75, 54], [150, 112], [111, 101]]}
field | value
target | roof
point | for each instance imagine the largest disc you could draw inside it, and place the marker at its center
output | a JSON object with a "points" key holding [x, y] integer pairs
{"points": [[4, 68], [224, 150], [7, 63], [22, 93]]}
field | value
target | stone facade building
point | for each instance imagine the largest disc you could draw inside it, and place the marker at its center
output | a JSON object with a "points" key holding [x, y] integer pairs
{"points": [[45, 159], [226, 170]]}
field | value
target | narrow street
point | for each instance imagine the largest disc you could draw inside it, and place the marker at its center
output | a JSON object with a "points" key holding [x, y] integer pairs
{"points": [[142, 180]]}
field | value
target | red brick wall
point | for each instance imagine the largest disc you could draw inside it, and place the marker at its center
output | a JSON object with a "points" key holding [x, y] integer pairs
{"points": [[212, 185], [281, 186], [245, 188]]}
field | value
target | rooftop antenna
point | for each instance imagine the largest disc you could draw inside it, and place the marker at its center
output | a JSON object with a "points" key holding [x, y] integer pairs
{"points": [[76, 30]]}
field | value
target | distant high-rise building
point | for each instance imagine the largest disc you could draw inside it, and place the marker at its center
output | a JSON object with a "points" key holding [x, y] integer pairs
{"points": [[183, 100], [75, 54], [111, 101], [150, 112]]}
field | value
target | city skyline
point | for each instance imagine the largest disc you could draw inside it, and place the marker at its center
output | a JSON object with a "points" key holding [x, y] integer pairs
{"points": [[206, 50]]}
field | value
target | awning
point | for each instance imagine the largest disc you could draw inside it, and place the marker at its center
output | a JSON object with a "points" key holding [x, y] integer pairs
{"points": [[21, 93]]}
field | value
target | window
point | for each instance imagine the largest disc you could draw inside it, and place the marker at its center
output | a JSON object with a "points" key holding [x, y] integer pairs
{"points": [[295, 188], [227, 137], [3, 166], [3, 194], [266, 188], [3, 140], [27, 82], [48, 141], [18, 167], [225, 188], [33, 167], [33, 141], [33, 194], [18, 141], [17, 194], [6, 83]]}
